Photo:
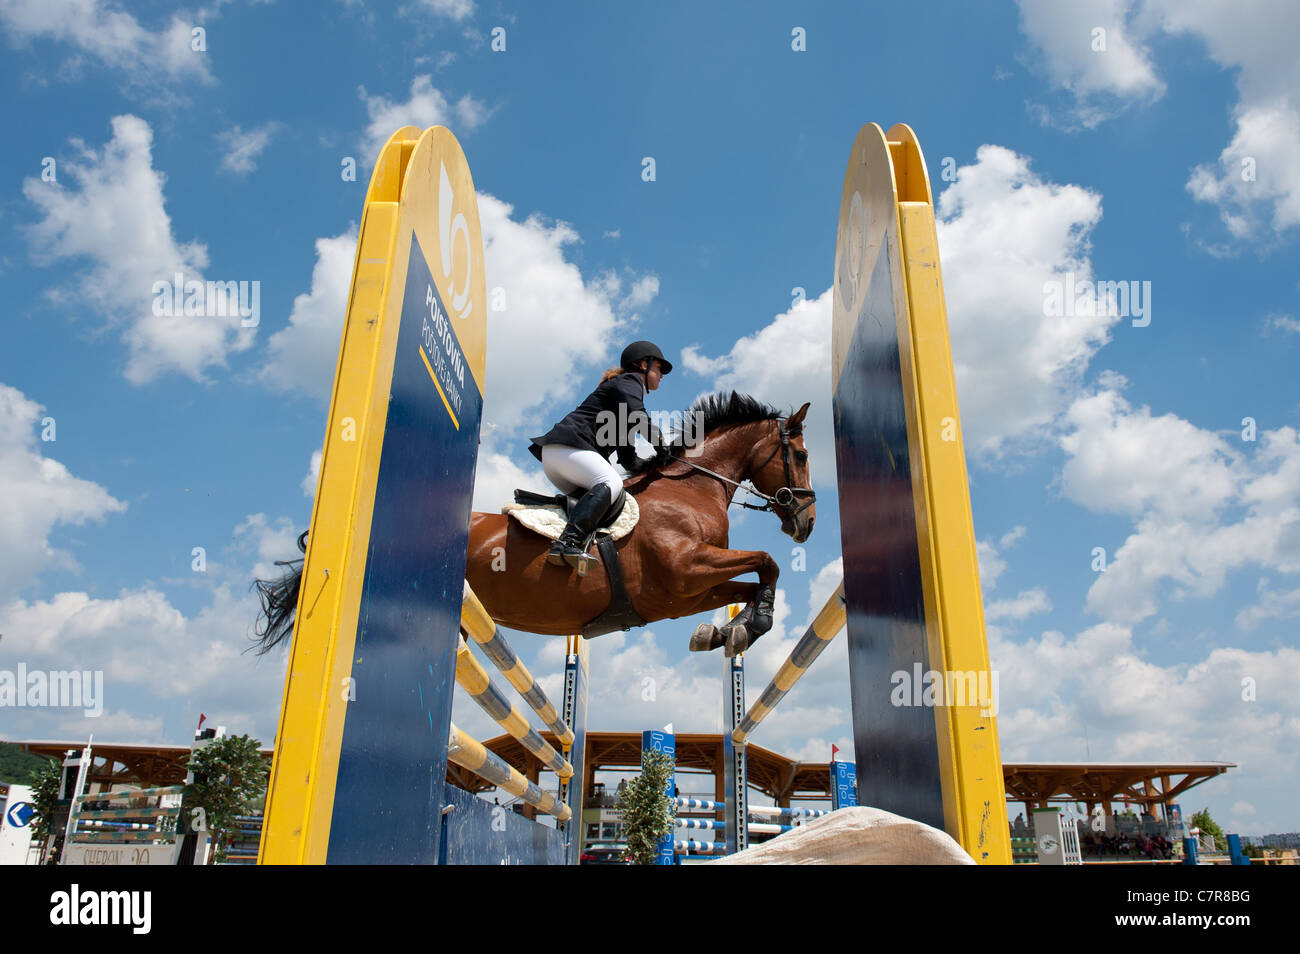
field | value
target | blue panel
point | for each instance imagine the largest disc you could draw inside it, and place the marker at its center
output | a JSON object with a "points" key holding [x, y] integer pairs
{"points": [[404, 667], [653, 740], [577, 721], [896, 746], [844, 779], [480, 833]]}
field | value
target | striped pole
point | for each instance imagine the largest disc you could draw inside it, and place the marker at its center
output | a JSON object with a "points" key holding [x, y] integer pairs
{"points": [[133, 793], [153, 812], [759, 828], [704, 805], [823, 629], [124, 826], [473, 678], [783, 812], [480, 627], [122, 837], [704, 847], [698, 803], [710, 824], [469, 753]]}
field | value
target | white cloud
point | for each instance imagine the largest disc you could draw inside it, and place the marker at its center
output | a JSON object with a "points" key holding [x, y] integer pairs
{"points": [[1024, 605], [801, 336], [153, 658], [310, 481], [643, 292], [1094, 697], [992, 565], [1121, 460], [161, 668], [1104, 71], [1201, 508], [243, 148], [497, 476], [451, 9], [1270, 604], [303, 355], [111, 36], [36, 494], [425, 107], [1284, 323], [1016, 368], [115, 217], [1256, 181], [556, 322], [554, 319]]}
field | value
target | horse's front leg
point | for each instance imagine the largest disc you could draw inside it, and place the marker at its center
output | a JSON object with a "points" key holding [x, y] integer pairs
{"points": [[711, 563]]}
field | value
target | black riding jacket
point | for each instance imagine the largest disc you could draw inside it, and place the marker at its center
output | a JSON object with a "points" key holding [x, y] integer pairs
{"points": [[599, 425]]}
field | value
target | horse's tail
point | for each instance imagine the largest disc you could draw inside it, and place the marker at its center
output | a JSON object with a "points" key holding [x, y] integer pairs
{"points": [[279, 600]]}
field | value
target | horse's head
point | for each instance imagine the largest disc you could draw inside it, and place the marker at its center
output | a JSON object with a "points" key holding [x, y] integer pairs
{"points": [[779, 470]]}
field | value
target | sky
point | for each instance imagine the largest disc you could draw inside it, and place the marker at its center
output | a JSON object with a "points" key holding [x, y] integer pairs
{"points": [[1135, 479]]}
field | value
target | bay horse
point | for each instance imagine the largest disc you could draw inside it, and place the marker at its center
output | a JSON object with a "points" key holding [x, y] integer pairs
{"points": [[676, 561]]}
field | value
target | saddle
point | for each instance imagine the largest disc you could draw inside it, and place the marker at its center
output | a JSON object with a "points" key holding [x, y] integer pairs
{"points": [[547, 515]]}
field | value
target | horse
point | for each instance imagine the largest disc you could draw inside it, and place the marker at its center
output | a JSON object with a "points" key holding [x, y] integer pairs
{"points": [[676, 561]]}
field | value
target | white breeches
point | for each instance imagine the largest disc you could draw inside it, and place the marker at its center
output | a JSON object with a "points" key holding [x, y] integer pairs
{"points": [[575, 471]]}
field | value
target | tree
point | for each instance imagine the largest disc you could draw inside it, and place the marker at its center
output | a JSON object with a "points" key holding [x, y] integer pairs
{"points": [[45, 796], [1205, 823], [647, 812], [229, 773]]}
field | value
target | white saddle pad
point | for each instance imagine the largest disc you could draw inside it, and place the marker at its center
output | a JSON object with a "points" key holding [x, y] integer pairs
{"points": [[550, 521]]}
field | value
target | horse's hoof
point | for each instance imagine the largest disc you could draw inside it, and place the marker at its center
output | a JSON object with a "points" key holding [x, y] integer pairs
{"points": [[705, 638], [737, 641]]}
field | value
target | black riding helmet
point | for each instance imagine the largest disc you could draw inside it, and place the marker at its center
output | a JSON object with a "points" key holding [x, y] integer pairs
{"points": [[639, 351]]}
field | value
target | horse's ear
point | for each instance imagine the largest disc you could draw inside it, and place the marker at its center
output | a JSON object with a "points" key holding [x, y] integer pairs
{"points": [[796, 419]]}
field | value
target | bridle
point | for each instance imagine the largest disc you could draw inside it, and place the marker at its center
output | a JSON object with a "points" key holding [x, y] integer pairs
{"points": [[782, 503]]}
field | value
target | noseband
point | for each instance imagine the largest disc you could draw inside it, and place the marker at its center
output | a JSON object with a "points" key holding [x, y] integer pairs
{"points": [[782, 503]]}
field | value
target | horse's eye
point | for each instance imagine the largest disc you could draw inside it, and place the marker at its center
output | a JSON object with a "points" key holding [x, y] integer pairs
{"points": [[800, 457]]}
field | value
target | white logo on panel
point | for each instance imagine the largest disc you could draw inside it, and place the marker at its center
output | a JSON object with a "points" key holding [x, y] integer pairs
{"points": [[448, 229], [855, 245]]}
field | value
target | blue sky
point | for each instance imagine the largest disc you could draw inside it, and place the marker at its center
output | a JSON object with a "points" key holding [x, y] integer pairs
{"points": [[1124, 163]]}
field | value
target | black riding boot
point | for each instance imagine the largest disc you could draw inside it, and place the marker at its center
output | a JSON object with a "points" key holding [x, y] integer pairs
{"points": [[764, 607], [758, 621], [583, 521]]}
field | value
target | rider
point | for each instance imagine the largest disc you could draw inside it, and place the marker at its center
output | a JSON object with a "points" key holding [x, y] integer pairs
{"points": [[575, 452]]}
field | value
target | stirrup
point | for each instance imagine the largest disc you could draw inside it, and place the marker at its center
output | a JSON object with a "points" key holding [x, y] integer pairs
{"points": [[580, 560], [575, 555]]}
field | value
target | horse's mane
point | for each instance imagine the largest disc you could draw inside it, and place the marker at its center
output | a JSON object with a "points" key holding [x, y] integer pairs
{"points": [[715, 411]]}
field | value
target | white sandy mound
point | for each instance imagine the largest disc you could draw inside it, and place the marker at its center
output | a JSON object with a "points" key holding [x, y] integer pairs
{"points": [[856, 836]]}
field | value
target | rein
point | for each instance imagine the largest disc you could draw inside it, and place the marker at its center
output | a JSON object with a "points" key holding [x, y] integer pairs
{"points": [[782, 503]]}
